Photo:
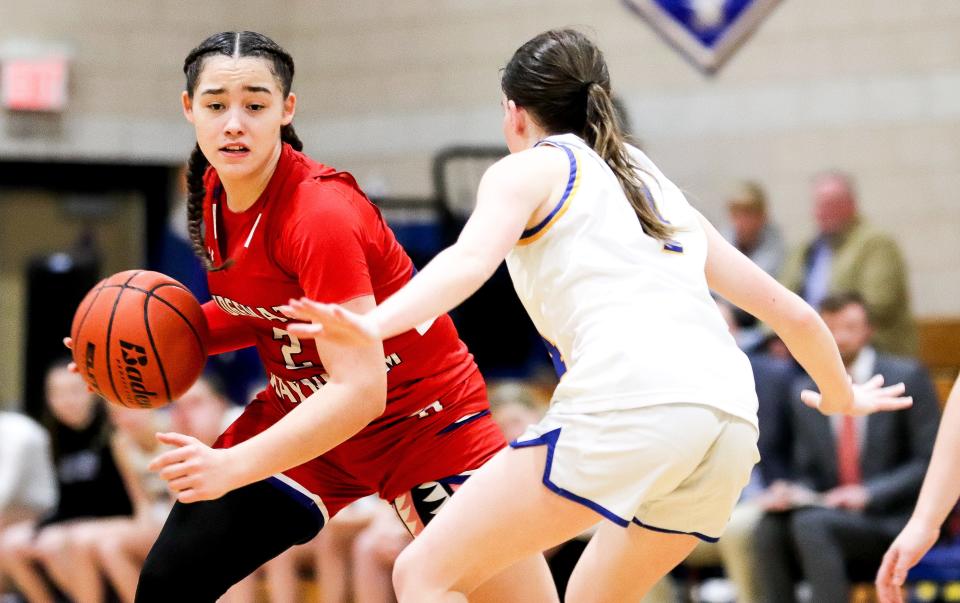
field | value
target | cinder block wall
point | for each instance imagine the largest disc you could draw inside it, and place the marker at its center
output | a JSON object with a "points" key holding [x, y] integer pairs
{"points": [[868, 86]]}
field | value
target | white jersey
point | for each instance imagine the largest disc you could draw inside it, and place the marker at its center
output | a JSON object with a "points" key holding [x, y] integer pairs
{"points": [[628, 319]]}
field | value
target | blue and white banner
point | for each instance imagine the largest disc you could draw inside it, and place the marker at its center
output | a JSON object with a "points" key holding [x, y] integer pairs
{"points": [[706, 32]]}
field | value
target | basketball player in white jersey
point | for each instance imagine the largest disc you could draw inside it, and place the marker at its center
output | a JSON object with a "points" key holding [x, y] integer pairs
{"points": [[653, 426]]}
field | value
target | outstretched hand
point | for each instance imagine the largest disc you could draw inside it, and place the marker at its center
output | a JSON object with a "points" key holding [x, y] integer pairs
{"points": [[194, 471], [912, 544], [330, 322], [868, 398]]}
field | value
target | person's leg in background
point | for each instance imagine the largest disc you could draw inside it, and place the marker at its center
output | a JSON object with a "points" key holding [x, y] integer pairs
{"points": [[738, 550], [829, 539], [121, 554], [18, 561], [333, 548], [775, 559], [375, 550]]}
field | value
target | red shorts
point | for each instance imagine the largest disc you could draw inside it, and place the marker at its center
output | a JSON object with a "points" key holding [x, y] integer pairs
{"points": [[449, 436]]}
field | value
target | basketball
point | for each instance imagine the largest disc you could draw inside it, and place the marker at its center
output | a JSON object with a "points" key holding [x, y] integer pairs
{"points": [[139, 339]]}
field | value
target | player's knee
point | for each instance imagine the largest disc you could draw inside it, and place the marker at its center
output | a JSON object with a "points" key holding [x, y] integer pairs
{"points": [[403, 572], [412, 572]]}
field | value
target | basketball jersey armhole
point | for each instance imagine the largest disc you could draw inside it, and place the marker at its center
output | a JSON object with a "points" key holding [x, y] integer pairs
{"points": [[573, 180]]}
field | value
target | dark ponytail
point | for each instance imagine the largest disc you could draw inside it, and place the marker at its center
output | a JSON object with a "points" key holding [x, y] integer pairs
{"points": [[561, 78], [231, 44], [603, 133]]}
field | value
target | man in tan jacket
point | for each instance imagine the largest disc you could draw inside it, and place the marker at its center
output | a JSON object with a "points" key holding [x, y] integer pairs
{"points": [[848, 255]]}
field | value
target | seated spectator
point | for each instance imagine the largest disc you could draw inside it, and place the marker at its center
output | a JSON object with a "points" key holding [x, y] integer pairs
{"points": [[847, 254], [855, 479], [375, 550], [28, 488], [204, 411], [90, 486], [750, 229]]}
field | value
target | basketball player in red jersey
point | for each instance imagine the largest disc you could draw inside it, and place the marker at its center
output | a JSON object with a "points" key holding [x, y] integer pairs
{"points": [[407, 419]]}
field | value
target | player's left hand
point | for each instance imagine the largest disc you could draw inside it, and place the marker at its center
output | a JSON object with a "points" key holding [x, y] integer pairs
{"points": [[193, 470], [912, 544], [331, 322], [868, 398]]}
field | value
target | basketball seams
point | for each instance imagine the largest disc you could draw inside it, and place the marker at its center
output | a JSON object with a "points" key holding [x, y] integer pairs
{"points": [[83, 319], [113, 312], [151, 293], [153, 346], [193, 329]]}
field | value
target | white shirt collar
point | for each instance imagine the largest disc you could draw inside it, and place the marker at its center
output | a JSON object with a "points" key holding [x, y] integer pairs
{"points": [[863, 367]]}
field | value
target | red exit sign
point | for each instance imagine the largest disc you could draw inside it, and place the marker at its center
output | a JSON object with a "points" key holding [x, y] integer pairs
{"points": [[34, 84]]}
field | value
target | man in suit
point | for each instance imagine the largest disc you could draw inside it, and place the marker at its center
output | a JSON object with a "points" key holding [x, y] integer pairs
{"points": [[848, 254], [856, 479]]}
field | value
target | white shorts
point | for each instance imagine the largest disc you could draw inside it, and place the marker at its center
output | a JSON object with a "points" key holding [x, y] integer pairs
{"points": [[676, 468]]}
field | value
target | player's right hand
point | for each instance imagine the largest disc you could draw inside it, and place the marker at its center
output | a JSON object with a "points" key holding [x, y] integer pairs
{"points": [[910, 545], [330, 322]]}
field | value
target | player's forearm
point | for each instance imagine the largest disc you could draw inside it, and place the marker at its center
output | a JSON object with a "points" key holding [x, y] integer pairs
{"points": [[451, 277], [225, 333], [327, 418], [941, 487], [735, 277], [810, 342]]}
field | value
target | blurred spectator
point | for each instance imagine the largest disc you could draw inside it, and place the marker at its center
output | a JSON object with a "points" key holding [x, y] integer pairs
{"points": [[736, 551], [204, 411], [90, 486], [28, 488], [849, 255], [514, 415], [750, 229], [374, 552], [856, 478]]}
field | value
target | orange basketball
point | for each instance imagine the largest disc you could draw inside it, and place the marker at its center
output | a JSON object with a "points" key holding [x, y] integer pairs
{"points": [[139, 339]]}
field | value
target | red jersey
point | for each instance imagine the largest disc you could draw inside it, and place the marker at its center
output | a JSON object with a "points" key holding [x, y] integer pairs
{"points": [[313, 232]]}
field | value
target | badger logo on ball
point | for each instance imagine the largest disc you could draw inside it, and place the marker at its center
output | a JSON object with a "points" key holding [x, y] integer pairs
{"points": [[135, 356]]}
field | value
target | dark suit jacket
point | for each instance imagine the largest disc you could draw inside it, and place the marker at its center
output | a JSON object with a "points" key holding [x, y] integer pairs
{"points": [[774, 379], [896, 446]]}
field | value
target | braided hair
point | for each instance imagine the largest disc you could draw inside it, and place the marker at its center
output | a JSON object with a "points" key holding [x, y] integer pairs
{"points": [[561, 78], [231, 44]]}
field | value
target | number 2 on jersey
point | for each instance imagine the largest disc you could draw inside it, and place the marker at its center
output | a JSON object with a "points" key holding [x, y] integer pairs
{"points": [[289, 349]]}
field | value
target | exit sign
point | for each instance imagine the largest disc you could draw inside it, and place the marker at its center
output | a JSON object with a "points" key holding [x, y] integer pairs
{"points": [[34, 84]]}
